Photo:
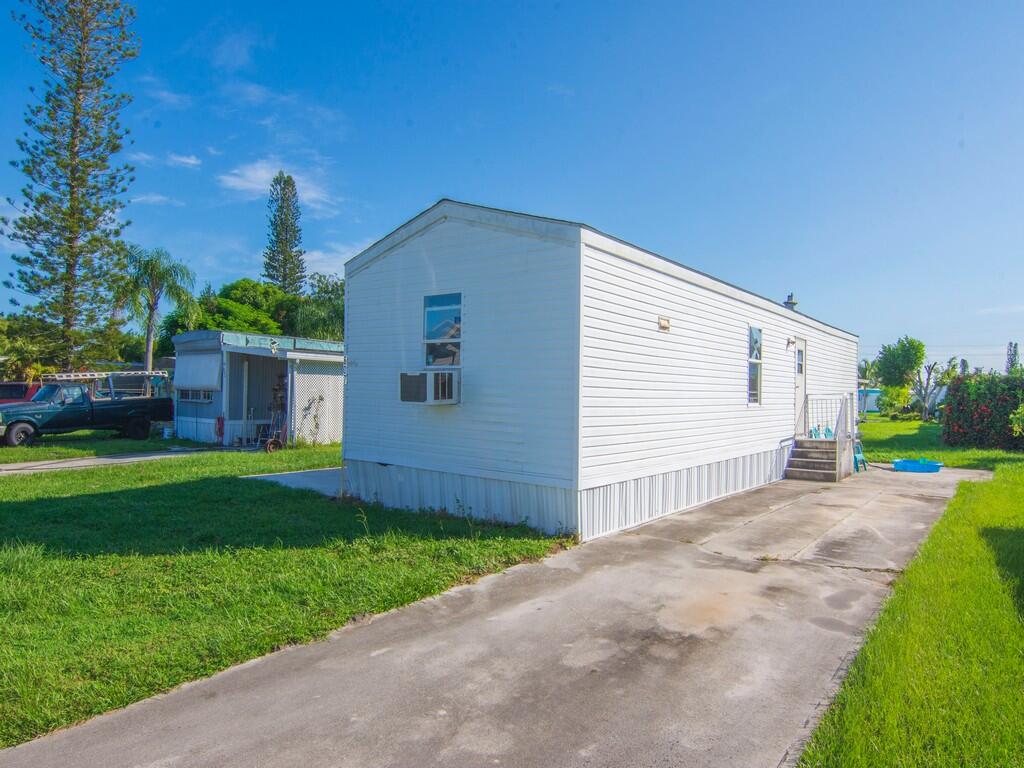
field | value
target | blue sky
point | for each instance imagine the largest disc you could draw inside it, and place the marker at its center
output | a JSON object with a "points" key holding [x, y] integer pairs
{"points": [[868, 158]]}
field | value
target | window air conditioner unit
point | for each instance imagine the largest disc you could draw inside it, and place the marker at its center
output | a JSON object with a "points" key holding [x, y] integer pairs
{"points": [[431, 387]]}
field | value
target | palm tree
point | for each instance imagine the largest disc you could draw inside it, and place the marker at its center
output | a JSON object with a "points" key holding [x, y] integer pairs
{"points": [[152, 277], [867, 371]]}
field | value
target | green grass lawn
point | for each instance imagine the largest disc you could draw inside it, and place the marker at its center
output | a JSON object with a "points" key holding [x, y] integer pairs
{"points": [[940, 679], [886, 440], [121, 582], [86, 443]]}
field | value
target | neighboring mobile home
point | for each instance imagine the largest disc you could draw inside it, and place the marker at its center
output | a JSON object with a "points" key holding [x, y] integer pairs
{"points": [[233, 388], [521, 368]]}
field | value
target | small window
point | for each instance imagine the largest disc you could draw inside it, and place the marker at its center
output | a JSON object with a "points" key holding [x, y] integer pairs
{"points": [[442, 330], [799, 361], [12, 391], [74, 394], [754, 365], [195, 396]]}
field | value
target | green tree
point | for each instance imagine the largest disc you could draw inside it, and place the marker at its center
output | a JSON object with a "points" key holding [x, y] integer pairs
{"points": [[283, 261], [1012, 357], [68, 220], [132, 348], [154, 276], [322, 315], [926, 387], [265, 297], [950, 372], [867, 371], [899, 363], [29, 346], [893, 400], [243, 305]]}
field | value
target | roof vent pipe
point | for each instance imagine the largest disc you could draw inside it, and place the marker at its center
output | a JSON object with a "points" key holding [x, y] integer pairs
{"points": [[790, 302]]}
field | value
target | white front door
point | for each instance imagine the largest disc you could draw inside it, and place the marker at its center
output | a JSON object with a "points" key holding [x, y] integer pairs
{"points": [[800, 387]]}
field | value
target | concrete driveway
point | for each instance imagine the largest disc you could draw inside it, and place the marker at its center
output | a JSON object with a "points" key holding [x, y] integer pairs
{"points": [[713, 637]]}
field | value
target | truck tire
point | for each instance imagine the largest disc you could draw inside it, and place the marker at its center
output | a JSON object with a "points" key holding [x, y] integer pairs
{"points": [[138, 428], [19, 434]]}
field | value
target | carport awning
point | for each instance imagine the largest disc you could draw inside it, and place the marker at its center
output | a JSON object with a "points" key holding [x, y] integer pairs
{"points": [[198, 371]]}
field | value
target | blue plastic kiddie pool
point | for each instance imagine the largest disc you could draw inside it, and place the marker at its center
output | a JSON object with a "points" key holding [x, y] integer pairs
{"points": [[916, 465]]}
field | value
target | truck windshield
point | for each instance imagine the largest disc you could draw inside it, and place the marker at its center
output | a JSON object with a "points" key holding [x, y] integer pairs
{"points": [[46, 393]]}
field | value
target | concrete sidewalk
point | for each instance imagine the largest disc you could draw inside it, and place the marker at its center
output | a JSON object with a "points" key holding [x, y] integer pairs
{"points": [[325, 481], [86, 462], [714, 637]]}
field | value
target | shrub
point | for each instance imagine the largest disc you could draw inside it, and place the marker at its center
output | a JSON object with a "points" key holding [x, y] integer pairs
{"points": [[978, 411], [893, 400], [1017, 421], [910, 415]]}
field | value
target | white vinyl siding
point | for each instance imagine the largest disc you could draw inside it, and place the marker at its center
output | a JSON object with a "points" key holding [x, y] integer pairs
{"points": [[602, 386], [517, 418], [654, 402]]}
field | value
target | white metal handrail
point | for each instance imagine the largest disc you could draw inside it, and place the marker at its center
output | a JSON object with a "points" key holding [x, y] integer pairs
{"points": [[822, 411], [831, 417]]}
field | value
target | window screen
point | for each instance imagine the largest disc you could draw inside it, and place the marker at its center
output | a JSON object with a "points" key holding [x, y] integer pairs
{"points": [[754, 365], [442, 330]]}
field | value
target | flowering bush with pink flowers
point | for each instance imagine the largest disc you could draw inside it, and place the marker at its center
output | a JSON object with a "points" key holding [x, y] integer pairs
{"points": [[978, 409]]}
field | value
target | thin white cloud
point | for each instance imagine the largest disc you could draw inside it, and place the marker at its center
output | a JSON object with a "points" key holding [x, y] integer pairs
{"points": [[185, 161], [171, 100], [164, 97], [332, 257], [213, 151], [558, 89], [155, 198], [1006, 309], [252, 94], [288, 117], [253, 179], [235, 50], [142, 158]]}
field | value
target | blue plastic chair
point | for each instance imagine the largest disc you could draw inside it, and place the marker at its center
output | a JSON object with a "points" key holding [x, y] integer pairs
{"points": [[859, 462], [815, 433], [828, 433]]}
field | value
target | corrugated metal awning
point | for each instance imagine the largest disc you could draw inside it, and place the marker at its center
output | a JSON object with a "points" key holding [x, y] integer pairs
{"points": [[198, 371]]}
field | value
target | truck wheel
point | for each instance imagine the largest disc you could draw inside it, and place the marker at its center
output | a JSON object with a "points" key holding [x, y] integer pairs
{"points": [[138, 429], [19, 434]]}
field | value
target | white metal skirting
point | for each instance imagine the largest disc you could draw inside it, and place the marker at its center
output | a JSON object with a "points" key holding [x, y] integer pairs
{"points": [[602, 510], [546, 508], [200, 430], [615, 507]]}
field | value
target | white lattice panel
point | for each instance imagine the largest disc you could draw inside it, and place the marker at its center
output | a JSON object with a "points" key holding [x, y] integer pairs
{"points": [[317, 402]]}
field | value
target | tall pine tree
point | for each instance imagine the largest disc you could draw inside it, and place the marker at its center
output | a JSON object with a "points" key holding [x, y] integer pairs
{"points": [[283, 261], [68, 220]]}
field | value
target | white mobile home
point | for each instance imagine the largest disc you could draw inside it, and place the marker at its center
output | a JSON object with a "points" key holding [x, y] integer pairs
{"points": [[521, 368], [234, 388]]}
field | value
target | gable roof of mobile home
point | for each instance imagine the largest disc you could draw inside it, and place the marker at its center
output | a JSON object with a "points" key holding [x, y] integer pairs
{"points": [[546, 226]]}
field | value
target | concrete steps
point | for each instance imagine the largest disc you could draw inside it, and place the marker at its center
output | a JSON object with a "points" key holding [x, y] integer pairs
{"points": [[813, 460], [819, 464]]}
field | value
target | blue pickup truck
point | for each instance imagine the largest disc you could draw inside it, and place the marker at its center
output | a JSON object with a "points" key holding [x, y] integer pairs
{"points": [[67, 406]]}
